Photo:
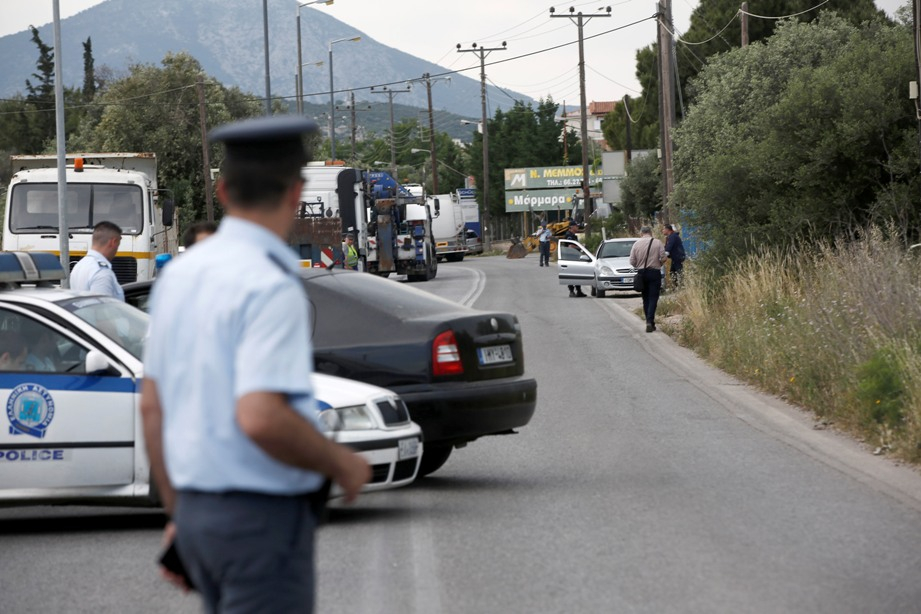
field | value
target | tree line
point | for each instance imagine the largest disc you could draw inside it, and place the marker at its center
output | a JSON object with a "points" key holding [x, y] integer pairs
{"points": [[805, 133]]}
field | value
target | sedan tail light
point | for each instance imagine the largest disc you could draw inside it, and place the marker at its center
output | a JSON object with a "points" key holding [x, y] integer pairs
{"points": [[446, 358]]}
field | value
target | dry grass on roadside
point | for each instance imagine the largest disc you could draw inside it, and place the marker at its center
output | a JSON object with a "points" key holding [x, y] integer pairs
{"points": [[835, 328]]}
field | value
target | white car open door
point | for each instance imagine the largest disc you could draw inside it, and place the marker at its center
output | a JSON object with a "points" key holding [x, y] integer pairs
{"points": [[575, 264]]}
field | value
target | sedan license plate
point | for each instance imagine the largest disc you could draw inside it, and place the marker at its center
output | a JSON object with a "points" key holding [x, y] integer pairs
{"points": [[495, 354], [407, 448]]}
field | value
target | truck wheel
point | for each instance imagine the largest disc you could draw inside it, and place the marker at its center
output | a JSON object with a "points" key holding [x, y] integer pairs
{"points": [[433, 458]]}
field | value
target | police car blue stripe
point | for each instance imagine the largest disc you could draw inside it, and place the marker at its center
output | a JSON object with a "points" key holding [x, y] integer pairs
{"points": [[77, 383]]}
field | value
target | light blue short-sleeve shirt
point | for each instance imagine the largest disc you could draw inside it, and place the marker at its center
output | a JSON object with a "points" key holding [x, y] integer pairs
{"points": [[229, 317], [93, 273]]}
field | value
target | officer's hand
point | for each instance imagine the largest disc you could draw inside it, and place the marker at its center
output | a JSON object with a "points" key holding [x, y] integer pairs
{"points": [[351, 473], [177, 580]]}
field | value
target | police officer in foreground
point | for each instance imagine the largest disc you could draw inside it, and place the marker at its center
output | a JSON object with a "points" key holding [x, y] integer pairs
{"points": [[227, 405], [93, 272]]}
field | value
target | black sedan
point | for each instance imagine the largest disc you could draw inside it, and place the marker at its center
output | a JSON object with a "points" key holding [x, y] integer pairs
{"points": [[459, 370]]}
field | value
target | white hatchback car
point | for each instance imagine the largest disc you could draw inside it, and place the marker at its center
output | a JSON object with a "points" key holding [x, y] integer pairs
{"points": [[70, 375]]}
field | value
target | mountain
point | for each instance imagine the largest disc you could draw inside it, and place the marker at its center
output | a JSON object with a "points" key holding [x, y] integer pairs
{"points": [[226, 37]]}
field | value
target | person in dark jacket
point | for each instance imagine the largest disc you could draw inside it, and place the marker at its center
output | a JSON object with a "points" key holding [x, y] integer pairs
{"points": [[674, 249]]}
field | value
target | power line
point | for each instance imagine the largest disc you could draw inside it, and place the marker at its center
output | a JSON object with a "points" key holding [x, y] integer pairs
{"points": [[786, 16], [718, 34]]}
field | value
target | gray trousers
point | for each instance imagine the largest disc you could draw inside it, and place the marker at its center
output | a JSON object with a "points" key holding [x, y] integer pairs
{"points": [[248, 552]]}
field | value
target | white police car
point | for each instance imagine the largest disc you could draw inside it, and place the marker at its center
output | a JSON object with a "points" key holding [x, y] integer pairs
{"points": [[70, 374], [374, 422]]}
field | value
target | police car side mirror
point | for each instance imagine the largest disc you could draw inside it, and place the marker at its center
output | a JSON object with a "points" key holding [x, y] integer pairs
{"points": [[96, 363]]}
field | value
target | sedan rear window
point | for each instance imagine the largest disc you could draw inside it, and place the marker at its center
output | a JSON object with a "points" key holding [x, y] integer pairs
{"points": [[349, 305], [375, 294]]}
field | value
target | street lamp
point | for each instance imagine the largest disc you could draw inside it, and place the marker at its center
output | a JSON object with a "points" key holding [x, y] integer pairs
{"points": [[332, 103], [300, 73], [467, 122], [299, 98]]}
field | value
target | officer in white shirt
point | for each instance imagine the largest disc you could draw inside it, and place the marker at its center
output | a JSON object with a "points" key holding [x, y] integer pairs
{"points": [[227, 404], [93, 273]]}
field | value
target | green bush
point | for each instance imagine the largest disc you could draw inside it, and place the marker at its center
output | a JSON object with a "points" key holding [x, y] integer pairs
{"points": [[880, 389]]}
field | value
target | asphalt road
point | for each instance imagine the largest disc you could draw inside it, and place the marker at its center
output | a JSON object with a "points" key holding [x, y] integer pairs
{"points": [[647, 482]]}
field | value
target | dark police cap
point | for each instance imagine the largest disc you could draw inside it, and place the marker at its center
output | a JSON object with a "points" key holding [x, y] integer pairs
{"points": [[278, 137]]}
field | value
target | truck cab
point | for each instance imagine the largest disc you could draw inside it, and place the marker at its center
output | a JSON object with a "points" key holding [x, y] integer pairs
{"points": [[117, 187], [449, 227]]}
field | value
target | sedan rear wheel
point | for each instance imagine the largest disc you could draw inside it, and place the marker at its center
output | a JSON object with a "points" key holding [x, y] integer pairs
{"points": [[434, 456]]}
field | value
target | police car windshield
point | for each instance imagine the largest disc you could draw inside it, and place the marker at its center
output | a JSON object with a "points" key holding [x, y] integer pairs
{"points": [[120, 322]]}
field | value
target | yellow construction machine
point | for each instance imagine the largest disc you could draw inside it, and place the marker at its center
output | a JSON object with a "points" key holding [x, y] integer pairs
{"points": [[557, 228]]}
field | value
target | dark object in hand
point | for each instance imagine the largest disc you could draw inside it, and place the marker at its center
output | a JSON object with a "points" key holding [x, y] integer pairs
{"points": [[171, 561]]}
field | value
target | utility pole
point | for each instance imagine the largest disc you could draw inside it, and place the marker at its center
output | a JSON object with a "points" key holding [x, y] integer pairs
{"points": [[666, 103], [744, 12], [916, 34], [61, 145], [265, 43], [205, 154], [580, 19], [483, 52], [299, 77], [390, 94], [629, 143], [428, 90], [354, 125], [565, 140]]}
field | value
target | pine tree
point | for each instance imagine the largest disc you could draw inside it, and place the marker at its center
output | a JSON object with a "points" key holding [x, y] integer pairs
{"points": [[89, 72]]}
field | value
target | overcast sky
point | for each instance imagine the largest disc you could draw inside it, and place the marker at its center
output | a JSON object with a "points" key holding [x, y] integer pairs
{"points": [[431, 29]]}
